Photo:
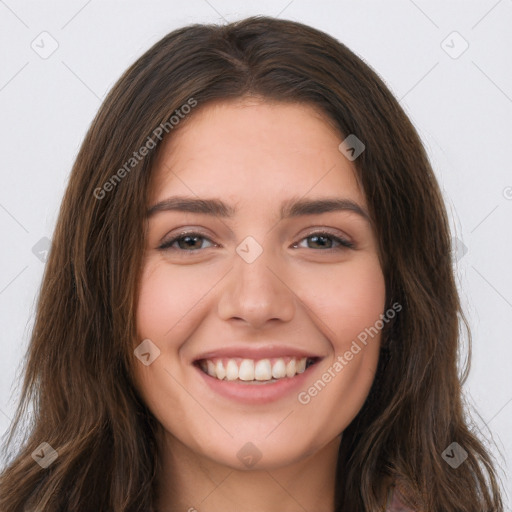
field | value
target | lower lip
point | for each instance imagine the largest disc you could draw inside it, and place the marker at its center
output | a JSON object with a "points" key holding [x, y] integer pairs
{"points": [[257, 393]]}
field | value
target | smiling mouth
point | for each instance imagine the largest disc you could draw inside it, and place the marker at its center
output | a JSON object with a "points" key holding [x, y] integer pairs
{"points": [[252, 371]]}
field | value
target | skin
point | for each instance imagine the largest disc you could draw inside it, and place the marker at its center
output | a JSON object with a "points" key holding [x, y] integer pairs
{"points": [[253, 155]]}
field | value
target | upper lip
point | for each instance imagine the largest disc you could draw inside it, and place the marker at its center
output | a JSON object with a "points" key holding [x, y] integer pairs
{"points": [[256, 353]]}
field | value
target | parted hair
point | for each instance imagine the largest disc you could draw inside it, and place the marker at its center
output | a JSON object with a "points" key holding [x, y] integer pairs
{"points": [[78, 368]]}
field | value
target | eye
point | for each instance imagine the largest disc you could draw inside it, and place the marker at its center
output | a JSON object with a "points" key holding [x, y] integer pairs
{"points": [[327, 241], [186, 241], [192, 241]]}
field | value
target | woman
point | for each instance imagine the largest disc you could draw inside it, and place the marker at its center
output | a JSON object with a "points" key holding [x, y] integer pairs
{"points": [[249, 303]]}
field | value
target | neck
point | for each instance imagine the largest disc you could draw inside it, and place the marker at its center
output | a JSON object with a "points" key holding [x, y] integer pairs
{"points": [[189, 482]]}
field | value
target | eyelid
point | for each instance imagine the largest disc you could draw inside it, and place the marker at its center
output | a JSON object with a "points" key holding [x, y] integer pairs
{"points": [[343, 241], [165, 245], [317, 230]]}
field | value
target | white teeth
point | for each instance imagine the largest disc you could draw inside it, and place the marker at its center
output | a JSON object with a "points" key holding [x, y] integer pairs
{"points": [[263, 370], [291, 368], [219, 370], [250, 370], [279, 369], [211, 368], [232, 370], [246, 371]]}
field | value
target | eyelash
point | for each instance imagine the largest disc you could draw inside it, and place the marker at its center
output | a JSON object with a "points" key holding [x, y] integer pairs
{"points": [[343, 243]]}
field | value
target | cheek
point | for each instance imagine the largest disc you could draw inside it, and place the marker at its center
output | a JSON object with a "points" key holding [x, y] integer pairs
{"points": [[349, 307], [154, 299], [166, 298], [169, 307], [348, 298]]}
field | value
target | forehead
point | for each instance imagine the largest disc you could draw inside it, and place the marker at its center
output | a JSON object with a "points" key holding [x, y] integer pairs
{"points": [[255, 150]]}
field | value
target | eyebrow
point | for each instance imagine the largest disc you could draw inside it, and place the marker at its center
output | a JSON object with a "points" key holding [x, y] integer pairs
{"points": [[290, 208]]}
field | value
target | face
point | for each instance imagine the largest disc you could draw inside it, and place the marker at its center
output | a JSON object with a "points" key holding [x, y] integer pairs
{"points": [[255, 302]]}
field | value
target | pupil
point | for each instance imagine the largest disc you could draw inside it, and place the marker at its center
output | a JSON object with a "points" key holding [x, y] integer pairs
{"points": [[316, 239], [189, 240]]}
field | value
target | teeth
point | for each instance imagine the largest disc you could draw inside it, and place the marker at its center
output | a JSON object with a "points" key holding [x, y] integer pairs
{"points": [[219, 370], [291, 368], [232, 370], [263, 370], [279, 369], [211, 368], [250, 370], [246, 371]]}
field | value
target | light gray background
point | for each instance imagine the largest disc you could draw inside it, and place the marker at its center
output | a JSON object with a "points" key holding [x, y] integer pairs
{"points": [[460, 104]]}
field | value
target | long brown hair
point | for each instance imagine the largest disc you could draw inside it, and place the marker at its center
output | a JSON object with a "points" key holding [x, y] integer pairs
{"points": [[79, 365]]}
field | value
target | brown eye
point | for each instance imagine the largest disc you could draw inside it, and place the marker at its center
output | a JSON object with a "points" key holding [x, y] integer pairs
{"points": [[324, 240], [185, 242]]}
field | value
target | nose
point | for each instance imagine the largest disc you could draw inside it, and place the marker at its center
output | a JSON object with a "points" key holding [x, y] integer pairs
{"points": [[257, 293]]}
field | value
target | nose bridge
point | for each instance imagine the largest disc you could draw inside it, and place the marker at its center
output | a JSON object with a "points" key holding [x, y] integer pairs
{"points": [[254, 290], [256, 276]]}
